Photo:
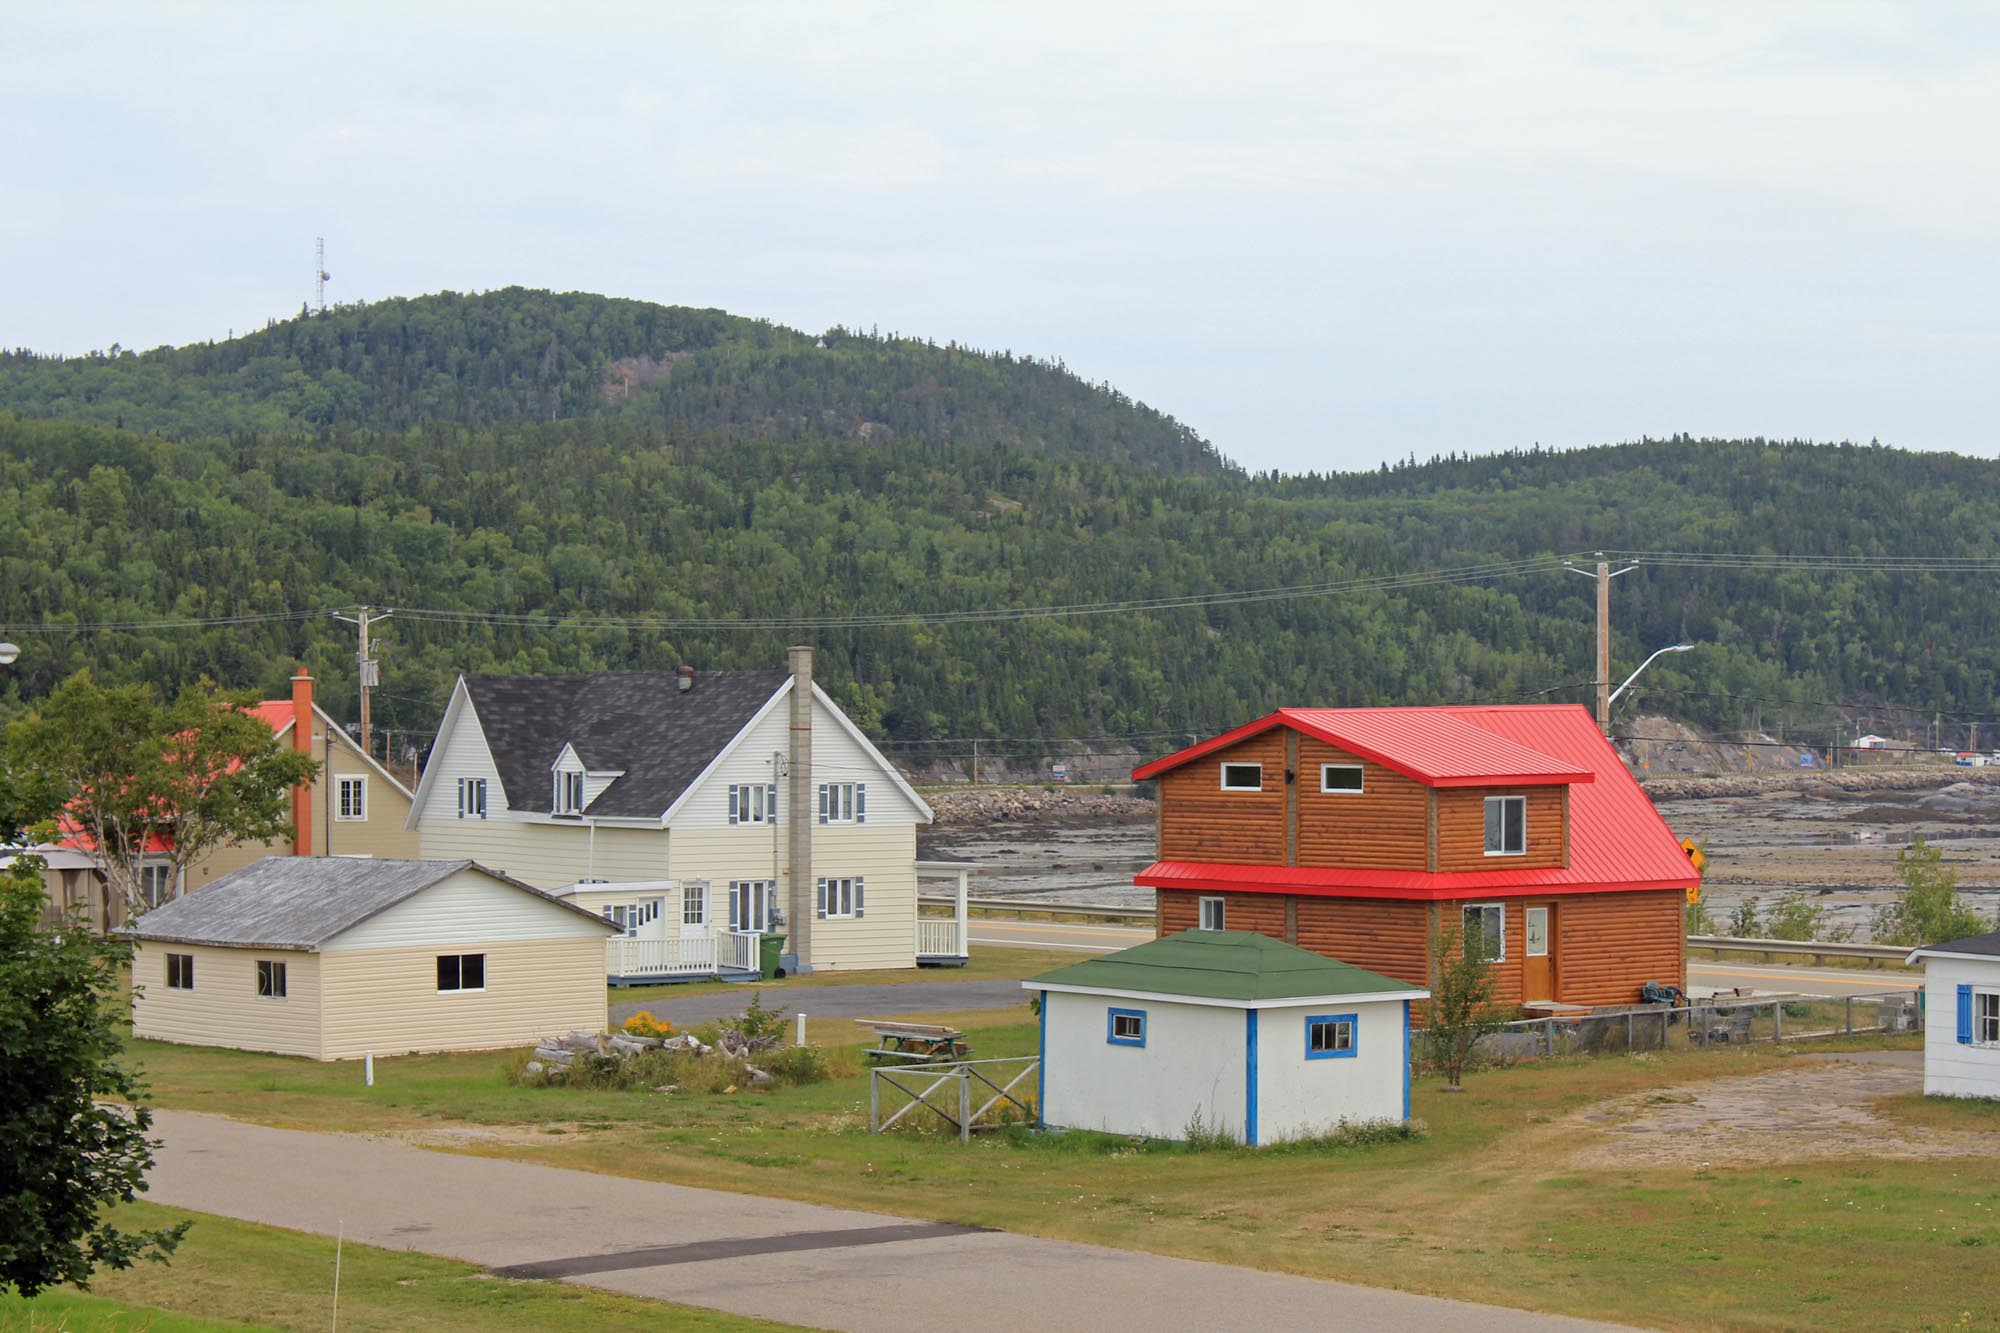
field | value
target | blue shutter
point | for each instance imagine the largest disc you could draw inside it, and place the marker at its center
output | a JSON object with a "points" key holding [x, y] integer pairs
{"points": [[857, 897], [461, 798], [732, 805], [822, 893], [1965, 1015], [771, 803], [861, 803], [822, 802]]}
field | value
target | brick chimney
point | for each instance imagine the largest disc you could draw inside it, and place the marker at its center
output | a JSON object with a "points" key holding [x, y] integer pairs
{"points": [[802, 902], [302, 740]]}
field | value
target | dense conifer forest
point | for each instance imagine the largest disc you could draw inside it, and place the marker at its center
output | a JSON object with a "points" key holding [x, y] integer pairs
{"points": [[526, 462]]}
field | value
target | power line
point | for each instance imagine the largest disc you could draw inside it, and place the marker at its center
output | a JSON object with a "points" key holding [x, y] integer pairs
{"points": [[204, 622]]}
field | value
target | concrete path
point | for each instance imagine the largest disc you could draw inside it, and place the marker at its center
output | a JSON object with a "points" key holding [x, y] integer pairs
{"points": [[769, 1258], [860, 1001]]}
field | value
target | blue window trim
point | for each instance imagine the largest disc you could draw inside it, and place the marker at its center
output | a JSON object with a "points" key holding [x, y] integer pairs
{"points": [[1406, 1059], [1111, 1017], [1250, 1078], [1353, 1036]]}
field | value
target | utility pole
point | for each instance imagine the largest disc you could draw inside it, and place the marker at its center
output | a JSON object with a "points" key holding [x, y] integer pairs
{"points": [[368, 672], [1603, 574]]}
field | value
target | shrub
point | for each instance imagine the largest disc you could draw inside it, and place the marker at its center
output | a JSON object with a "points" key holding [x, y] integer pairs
{"points": [[757, 1022], [643, 1024], [1200, 1136], [1929, 910]]}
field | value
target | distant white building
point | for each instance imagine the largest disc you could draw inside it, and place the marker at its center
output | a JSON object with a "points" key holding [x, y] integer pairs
{"points": [[1256, 1037], [1874, 742], [1962, 1016]]}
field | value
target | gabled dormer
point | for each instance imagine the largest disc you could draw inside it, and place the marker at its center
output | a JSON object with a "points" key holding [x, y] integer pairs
{"points": [[568, 796]]}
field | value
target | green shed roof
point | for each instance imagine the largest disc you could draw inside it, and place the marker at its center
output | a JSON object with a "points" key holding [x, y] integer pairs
{"points": [[1222, 965]]}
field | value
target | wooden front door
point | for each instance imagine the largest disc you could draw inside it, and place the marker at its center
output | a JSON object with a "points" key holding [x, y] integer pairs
{"points": [[1538, 966]]}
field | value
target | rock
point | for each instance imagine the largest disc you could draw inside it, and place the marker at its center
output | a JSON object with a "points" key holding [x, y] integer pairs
{"points": [[668, 1087], [758, 1078], [533, 1069]]}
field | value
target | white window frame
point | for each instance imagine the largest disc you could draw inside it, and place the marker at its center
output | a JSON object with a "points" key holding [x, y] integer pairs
{"points": [[838, 798], [1222, 775], [462, 989], [760, 896], [1358, 770], [754, 802], [1500, 936], [343, 784], [840, 897], [694, 905], [568, 796], [156, 882], [1486, 812], [271, 979], [1982, 998], [1221, 907], [472, 798]]}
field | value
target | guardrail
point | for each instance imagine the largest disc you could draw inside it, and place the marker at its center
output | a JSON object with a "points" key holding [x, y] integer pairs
{"points": [[1815, 948], [1025, 906]]}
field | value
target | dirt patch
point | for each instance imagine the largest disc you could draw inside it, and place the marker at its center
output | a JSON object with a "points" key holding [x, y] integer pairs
{"points": [[453, 1135], [1815, 1111]]}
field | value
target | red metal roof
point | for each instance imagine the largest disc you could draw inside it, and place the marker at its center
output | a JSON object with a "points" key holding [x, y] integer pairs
{"points": [[1617, 841], [1439, 747]]}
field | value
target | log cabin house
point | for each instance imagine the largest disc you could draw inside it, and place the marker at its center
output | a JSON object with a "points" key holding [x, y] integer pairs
{"points": [[1357, 832]]}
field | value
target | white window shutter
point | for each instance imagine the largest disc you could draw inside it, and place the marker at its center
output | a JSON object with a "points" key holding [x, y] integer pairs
{"points": [[822, 892], [732, 805], [857, 896], [822, 803], [860, 804]]}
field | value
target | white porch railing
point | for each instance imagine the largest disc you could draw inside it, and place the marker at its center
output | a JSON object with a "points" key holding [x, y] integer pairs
{"points": [[940, 937], [739, 950], [693, 956]]}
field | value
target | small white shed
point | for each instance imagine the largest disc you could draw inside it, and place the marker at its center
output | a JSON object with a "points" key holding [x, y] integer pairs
{"points": [[1256, 1037], [332, 958], [1962, 1016]]}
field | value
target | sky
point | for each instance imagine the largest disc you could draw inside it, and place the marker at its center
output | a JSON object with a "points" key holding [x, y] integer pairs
{"points": [[1324, 236]]}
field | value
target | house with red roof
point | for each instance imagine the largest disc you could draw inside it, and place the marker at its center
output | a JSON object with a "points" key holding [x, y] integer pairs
{"points": [[356, 807], [1359, 832]]}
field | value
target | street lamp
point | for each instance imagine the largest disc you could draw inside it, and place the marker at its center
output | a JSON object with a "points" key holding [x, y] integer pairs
{"points": [[1670, 648], [9, 652]]}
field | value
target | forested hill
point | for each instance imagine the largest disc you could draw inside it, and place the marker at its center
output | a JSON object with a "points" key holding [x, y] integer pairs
{"points": [[518, 356], [507, 542]]}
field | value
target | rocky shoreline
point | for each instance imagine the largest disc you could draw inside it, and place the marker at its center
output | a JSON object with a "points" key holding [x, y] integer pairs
{"points": [[1849, 780], [1035, 805]]}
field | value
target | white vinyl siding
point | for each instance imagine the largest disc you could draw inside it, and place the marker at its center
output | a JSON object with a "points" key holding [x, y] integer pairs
{"points": [[1953, 1068], [224, 1008], [836, 758], [552, 856], [465, 911], [387, 1000]]}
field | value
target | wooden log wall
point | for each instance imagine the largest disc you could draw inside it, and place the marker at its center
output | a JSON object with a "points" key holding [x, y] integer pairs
{"points": [[1461, 829], [1392, 938], [1608, 945], [1199, 821], [1263, 913], [1384, 827]]}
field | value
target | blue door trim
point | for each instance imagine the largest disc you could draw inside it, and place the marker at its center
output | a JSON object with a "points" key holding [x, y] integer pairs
{"points": [[1042, 1068], [1250, 1077], [1406, 1059]]}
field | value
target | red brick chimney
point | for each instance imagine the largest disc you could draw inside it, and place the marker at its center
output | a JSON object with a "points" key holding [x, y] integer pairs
{"points": [[302, 740]]}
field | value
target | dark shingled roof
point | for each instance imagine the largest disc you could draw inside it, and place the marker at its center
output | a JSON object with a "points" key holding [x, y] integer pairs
{"points": [[301, 902], [1223, 965], [635, 722], [1988, 944]]}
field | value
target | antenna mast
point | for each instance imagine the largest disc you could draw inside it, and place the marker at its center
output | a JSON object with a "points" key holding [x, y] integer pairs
{"points": [[320, 276]]}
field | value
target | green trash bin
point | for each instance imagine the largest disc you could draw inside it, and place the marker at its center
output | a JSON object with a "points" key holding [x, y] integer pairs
{"points": [[769, 947]]}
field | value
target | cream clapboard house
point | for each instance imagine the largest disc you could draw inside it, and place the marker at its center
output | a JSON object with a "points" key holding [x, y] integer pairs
{"points": [[696, 810], [335, 958]]}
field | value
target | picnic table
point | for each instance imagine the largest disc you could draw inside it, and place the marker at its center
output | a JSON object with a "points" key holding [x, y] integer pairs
{"points": [[915, 1043]]}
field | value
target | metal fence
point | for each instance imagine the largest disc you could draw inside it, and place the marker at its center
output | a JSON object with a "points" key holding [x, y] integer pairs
{"points": [[1705, 1023]]}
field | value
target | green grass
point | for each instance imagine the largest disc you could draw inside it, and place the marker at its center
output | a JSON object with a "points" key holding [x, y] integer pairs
{"points": [[1484, 1206], [235, 1275]]}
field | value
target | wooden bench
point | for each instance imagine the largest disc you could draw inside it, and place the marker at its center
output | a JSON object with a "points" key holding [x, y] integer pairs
{"points": [[915, 1043]]}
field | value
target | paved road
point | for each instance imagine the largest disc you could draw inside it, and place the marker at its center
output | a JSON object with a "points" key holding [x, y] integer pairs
{"points": [[769, 1258]]}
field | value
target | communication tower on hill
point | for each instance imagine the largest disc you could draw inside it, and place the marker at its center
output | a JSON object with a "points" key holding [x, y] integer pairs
{"points": [[320, 276]]}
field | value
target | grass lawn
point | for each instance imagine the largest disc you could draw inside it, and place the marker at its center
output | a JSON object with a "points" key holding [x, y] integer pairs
{"points": [[1486, 1207], [233, 1275], [986, 964]]}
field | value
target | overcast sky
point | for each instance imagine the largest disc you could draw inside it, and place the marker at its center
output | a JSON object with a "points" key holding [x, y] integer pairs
{"points": [[1322, 235]]}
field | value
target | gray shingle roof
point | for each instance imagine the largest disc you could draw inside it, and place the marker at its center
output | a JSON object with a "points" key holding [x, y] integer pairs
{"points": [[635, 722], [302, 902], [1980, 944]]}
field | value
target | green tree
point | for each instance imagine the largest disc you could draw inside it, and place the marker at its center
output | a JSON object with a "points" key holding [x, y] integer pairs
{"points": [[1929, 911], [68, 1149], [1744, 923], [1461, 1009], [1797, 917], [169, 783]]}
